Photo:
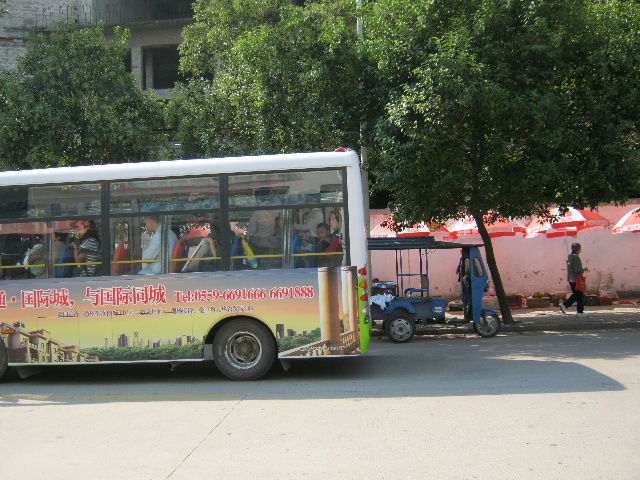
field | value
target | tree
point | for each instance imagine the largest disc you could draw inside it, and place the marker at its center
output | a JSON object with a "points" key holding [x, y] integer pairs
{"points": [[71, 102], [495, 108], [268, 76], [2, 10]]}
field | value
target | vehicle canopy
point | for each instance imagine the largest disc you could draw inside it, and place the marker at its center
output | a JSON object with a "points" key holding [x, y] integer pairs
{"points": [[413, 243], [471, 263]]}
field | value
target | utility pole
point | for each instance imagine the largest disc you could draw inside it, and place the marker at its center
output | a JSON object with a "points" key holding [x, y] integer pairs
{"points": [[363, 148]]}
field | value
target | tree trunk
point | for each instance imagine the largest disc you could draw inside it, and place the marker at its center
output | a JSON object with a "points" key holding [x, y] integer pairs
{"points": [[507, 318]]}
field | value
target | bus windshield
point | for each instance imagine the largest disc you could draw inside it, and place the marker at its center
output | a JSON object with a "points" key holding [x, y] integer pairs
{"points": [[238, 260]]}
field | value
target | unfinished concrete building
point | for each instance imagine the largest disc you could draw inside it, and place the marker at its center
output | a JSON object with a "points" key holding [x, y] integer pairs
{"points": [[156, 28]]}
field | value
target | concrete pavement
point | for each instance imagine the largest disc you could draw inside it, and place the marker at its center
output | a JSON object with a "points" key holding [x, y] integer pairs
{"points": [[620, 316]]}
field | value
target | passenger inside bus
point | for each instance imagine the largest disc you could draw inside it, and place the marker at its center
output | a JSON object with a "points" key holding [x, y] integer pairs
{"points": [[87, 251], [59, 242], [305, 239], [154, 248], [335, 247], [202, 246], [262, 222], [35, 258], [310, 220], [269, 248], [14, 247]]}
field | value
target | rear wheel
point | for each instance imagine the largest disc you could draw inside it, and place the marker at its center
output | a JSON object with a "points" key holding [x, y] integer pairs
{"points": [[244, 350], [401, 328], [488, 325], [4, 359]]}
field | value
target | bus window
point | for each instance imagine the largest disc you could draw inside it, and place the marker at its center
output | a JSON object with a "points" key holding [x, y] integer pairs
{"points": [[313, 186], [157, 240], [13, 202], [14, 247], [199, 249], [50, 201], [122, 248], [25, 250], [165, 195], [331, 248], [120, 233], [88, 249], [65, 200], [260, 237], [307, 222]]}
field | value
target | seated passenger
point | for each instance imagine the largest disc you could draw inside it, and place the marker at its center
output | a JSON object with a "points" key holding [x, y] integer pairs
{"points": [[323, 240]]}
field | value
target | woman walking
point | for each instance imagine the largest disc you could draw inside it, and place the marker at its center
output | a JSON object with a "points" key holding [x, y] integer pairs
{"points": [[574, 268]]}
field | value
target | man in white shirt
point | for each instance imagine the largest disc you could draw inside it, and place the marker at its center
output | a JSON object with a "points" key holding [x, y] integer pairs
{"points": [[153, 250]]}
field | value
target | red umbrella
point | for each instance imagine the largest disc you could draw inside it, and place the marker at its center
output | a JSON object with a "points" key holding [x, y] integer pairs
{"points": [[418, 230], [381, 230], [424, 230], [566, 225], [580, 219], [501, 228], [544, 228], [629, 223]]}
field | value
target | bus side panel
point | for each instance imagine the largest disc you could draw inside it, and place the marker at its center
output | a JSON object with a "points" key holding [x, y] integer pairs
{"points": [[311, 312]]}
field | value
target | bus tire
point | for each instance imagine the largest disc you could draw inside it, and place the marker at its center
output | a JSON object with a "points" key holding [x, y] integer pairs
{"points": [[488, 326], [4, 359], [400, 328], [244, 350]]}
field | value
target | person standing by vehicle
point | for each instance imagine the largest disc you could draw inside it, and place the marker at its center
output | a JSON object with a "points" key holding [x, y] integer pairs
{"points": [[574, 268], [88, 250]]}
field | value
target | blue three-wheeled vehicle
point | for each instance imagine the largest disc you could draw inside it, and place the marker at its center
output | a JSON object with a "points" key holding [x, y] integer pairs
{"points": [[398, 307]]}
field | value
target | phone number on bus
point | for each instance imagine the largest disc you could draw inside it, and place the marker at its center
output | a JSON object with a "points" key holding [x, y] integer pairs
{"points": [[234, 294]]}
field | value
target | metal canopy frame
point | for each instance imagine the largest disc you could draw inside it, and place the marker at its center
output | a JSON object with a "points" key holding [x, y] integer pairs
{"points": [[399, 244], [414, 243]]}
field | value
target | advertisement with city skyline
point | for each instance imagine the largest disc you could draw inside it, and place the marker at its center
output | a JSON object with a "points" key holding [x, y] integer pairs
{"points": [[167, 317]]}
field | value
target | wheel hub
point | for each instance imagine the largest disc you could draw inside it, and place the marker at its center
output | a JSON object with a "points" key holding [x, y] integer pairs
{"points": [[400, 328], [243, 350]]}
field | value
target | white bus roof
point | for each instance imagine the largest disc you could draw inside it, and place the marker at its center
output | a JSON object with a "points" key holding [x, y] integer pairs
{"points": [[179, 168]]}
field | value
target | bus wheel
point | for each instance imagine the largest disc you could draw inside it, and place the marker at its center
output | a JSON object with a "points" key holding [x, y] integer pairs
{"points": [[244, 350], [488, 325], [401, 328], [4, 358]]}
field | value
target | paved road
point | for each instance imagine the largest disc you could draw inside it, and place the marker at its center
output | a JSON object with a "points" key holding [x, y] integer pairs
{"points": [[529, 405]]}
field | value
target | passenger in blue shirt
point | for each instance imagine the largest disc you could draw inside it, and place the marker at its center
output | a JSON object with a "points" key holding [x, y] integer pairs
{"points": [[153, 250]]}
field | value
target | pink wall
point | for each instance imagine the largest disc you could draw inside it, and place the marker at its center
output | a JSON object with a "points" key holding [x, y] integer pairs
{"points": [[529, 265]]}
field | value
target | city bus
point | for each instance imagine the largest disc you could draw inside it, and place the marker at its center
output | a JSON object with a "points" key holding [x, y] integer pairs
{"points": [[241, 261]]}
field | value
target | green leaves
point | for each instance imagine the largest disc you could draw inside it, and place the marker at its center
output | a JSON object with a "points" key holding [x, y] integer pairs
{"points": [[71, 102], [516, 105], [271, 78]]}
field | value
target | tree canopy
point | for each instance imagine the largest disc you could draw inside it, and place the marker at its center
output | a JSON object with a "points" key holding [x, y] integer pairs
{"points": [[503, 108], [268, 77], [71, 102]]}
